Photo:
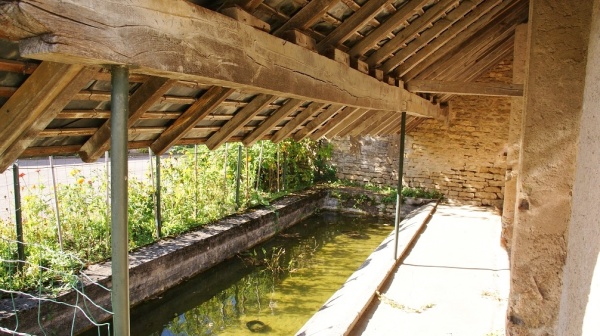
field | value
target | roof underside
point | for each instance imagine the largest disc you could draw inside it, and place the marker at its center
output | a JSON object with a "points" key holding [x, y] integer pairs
{"points": [[60, 86]]}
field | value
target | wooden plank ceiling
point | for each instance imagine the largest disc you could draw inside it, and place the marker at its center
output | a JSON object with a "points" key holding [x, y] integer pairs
{"points": [[209, 72]]}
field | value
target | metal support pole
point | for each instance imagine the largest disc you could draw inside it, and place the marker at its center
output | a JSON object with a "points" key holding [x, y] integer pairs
{"points": [[119, 198], [56, 209], [400, 173], [157, 203], [18, 217], [284, 173], [106, 162], [259, 165], [237, 177], [196, 182]]}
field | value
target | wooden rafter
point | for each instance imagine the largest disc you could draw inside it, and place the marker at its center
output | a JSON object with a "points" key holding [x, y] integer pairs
{"points": [[148, 94], [355, 123], [318, 121], [463, 88], [248, 59], [375, 119], [392, 117], [396, 20], [290, 106], [57, 83], [411, 31], [36, 103], [196, 112], [392, 126], [352, 24], [333, 122], [298, 120], [381, 122], [344, 125], [441, 25], [306, 16], [446, 44], [239, 120]]}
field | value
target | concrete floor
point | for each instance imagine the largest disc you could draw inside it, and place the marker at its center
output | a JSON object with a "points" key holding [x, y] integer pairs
{"points": [[455, 281]]}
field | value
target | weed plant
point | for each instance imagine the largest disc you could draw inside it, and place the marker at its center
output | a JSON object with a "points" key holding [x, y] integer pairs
{"points": [[197, 187]]}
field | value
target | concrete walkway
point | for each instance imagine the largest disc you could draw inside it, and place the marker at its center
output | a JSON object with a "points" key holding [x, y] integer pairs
{"points": [[454, 281]]}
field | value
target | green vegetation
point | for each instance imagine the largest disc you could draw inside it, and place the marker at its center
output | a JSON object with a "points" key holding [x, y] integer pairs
{"points": [[389, 193], [195, 190]]}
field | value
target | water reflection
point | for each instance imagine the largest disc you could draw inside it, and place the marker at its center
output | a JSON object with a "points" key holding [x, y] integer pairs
{"points": [[273, 288]]}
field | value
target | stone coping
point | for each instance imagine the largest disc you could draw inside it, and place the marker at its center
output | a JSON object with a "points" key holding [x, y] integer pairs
{"points": [[343, 309]]}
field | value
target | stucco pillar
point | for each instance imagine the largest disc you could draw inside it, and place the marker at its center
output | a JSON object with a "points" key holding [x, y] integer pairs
{"points": [[514, 137], [580, 303], [559, 35]]}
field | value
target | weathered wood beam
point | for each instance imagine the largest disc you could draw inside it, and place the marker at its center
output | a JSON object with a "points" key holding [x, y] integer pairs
{"points": [[375, 119], [414, 124], [298, 120], [389, 126], [148, 94], [46, 113], [352, 24], [196, 112], [396, 20], [88, 131], [356, 123], [318, 121], [446, 44], [33, 106], [392, 117], [290, 106], [306, 16], [482, 65], [464, 88], [333, 122], [7, 91], [196, 44], [345, 124], [380, 122], [439, 27], [238, 121], [411, 31]]}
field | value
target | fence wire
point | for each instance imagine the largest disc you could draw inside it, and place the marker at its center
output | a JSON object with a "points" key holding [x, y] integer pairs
{"points": [[66, 219]]}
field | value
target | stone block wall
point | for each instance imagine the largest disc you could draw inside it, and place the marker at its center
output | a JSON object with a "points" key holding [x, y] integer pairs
{"points": [[464, 158]]}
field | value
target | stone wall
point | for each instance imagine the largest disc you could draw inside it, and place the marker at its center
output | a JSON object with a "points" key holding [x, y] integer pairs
{"points": [[464, 158]]}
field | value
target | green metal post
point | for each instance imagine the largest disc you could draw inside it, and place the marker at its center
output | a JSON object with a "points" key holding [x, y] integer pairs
{"points": [[157, 203], [56, 207], [119, 198], [18, 216], [400, 173], [237, 178]]}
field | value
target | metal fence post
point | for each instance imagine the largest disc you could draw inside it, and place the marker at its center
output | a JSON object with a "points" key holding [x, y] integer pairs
{"points": [[196, 182], [56, 209], [18, 217], [400, 173], [119, 198]]}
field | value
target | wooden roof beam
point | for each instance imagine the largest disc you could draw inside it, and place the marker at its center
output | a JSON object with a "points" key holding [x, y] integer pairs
{"points": [[356, 123], [333, 122], [411, 31], [466, 88], [352, 24], [446, 44], [218, 51], [373, 121], [306, 16], [290, 106], [196, 112], [344, 126], [385, 124], [383, 120], [396, 20], [239, 120], [36, 103], [317, 122], [148, 94], [440, 26], [298, 120], [392, 126]]}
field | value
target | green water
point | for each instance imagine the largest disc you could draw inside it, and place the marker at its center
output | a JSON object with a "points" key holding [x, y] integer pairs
{"points": [[281, 283]]}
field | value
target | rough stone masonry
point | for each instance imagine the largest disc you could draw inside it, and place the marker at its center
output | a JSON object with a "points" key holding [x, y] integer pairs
{"points": [[464, 158]]}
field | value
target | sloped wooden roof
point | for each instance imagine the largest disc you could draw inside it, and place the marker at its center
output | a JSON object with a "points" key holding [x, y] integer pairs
{"points": [[208, 72]]}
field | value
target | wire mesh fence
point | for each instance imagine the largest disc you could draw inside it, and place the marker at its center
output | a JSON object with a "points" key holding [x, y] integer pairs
{"points": [[65, 205]]}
